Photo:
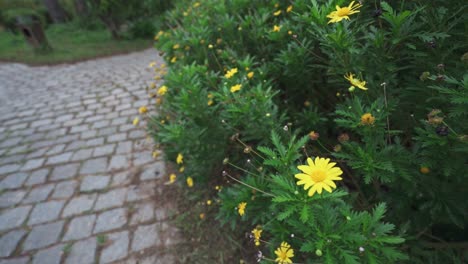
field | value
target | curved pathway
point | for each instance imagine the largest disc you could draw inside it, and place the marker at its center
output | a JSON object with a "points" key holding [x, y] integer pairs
{"points": [[78, 183]]}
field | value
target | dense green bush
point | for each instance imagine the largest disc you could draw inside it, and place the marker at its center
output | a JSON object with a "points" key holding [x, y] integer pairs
{"points": [[135, 14], [13, 12], [256, 87]]}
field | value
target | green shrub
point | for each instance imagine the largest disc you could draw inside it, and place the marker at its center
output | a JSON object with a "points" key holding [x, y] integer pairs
{"points": [[382, 94]]}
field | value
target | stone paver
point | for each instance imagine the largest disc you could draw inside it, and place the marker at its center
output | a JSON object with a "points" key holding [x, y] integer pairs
{"points": [[79, 204], [43, 235], [13, 217], [9, 242], [110, 220], [117, 249], [64, 189], [145, 237], [83, 252], [45, 212], [13, 181], [11, 198], [80, 227], [39, 193], [74, 170], [51, 255], [93, 183]]}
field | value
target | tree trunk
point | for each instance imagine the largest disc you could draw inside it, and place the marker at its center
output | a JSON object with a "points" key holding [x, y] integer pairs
{"points": [[111, 26], [81, 8], [56, 11]]}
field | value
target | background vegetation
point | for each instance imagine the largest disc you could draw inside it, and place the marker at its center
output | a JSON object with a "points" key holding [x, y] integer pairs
{"points": [[77, 29]]}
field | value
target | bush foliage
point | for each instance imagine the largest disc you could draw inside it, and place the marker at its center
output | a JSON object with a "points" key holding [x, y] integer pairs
{"points": [[254, 88]]}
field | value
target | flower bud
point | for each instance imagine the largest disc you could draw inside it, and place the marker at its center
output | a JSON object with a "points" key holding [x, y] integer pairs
{"points": [[318, 252]]}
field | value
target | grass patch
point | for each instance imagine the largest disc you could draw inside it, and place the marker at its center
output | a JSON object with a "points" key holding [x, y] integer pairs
{"points": [[69, 43]]}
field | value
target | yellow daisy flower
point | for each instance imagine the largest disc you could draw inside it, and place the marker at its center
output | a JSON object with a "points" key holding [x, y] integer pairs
{"points": [[152, 64], [236, 88], [182, 169], [284, 253], [289, 9], [277, 13], [230, 73], [136, 120], [356, 82], [172, 178], [155, 154], [176, 46], [143, 110], [241, 208], [257, 234], [424, 170], [210, 102], [276, 28], [367, 119], [189, 182], [180, 158], [174, 59], [250, 75], [208, 202], [318, 175], [162, 90], [343, 12]]}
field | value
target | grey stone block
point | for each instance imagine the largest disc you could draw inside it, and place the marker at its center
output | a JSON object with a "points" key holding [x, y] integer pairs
{"points": [[82, 154], [14, 180], [141, 192], [80, 227], [124, 147], [145, 236], [110, 220], [8, 199], [79, 205], [95, 142], [43, 235], [142, 158], [144, 213], [9, 242], [93, 183], [65, 189], [45, 212], [118, 248], [137, 134], [156, 170], [39, 194], [117, 137], [33, 164], [55, 149], [83, 252], [93, 166], [37, 177], [13, 217], [51, 255], [103, 150], [111, 199], [65, 171], [119, 162], [60, 158]]}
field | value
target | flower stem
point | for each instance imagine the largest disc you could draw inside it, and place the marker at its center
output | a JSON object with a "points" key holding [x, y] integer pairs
{"points": [[244, 170], [250, 186]]}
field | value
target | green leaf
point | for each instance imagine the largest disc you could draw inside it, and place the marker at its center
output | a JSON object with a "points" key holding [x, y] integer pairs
{"points": [[305, 213]]}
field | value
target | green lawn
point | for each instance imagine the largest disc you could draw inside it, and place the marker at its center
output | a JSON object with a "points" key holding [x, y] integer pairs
{"points": [[69, 44]]}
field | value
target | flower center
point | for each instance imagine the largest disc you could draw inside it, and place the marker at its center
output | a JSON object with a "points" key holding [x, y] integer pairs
{"points": [[318, 175], [343, 11]]}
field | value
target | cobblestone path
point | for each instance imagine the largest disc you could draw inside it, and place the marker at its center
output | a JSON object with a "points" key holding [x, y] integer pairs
{"points": [[78, 183]]}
